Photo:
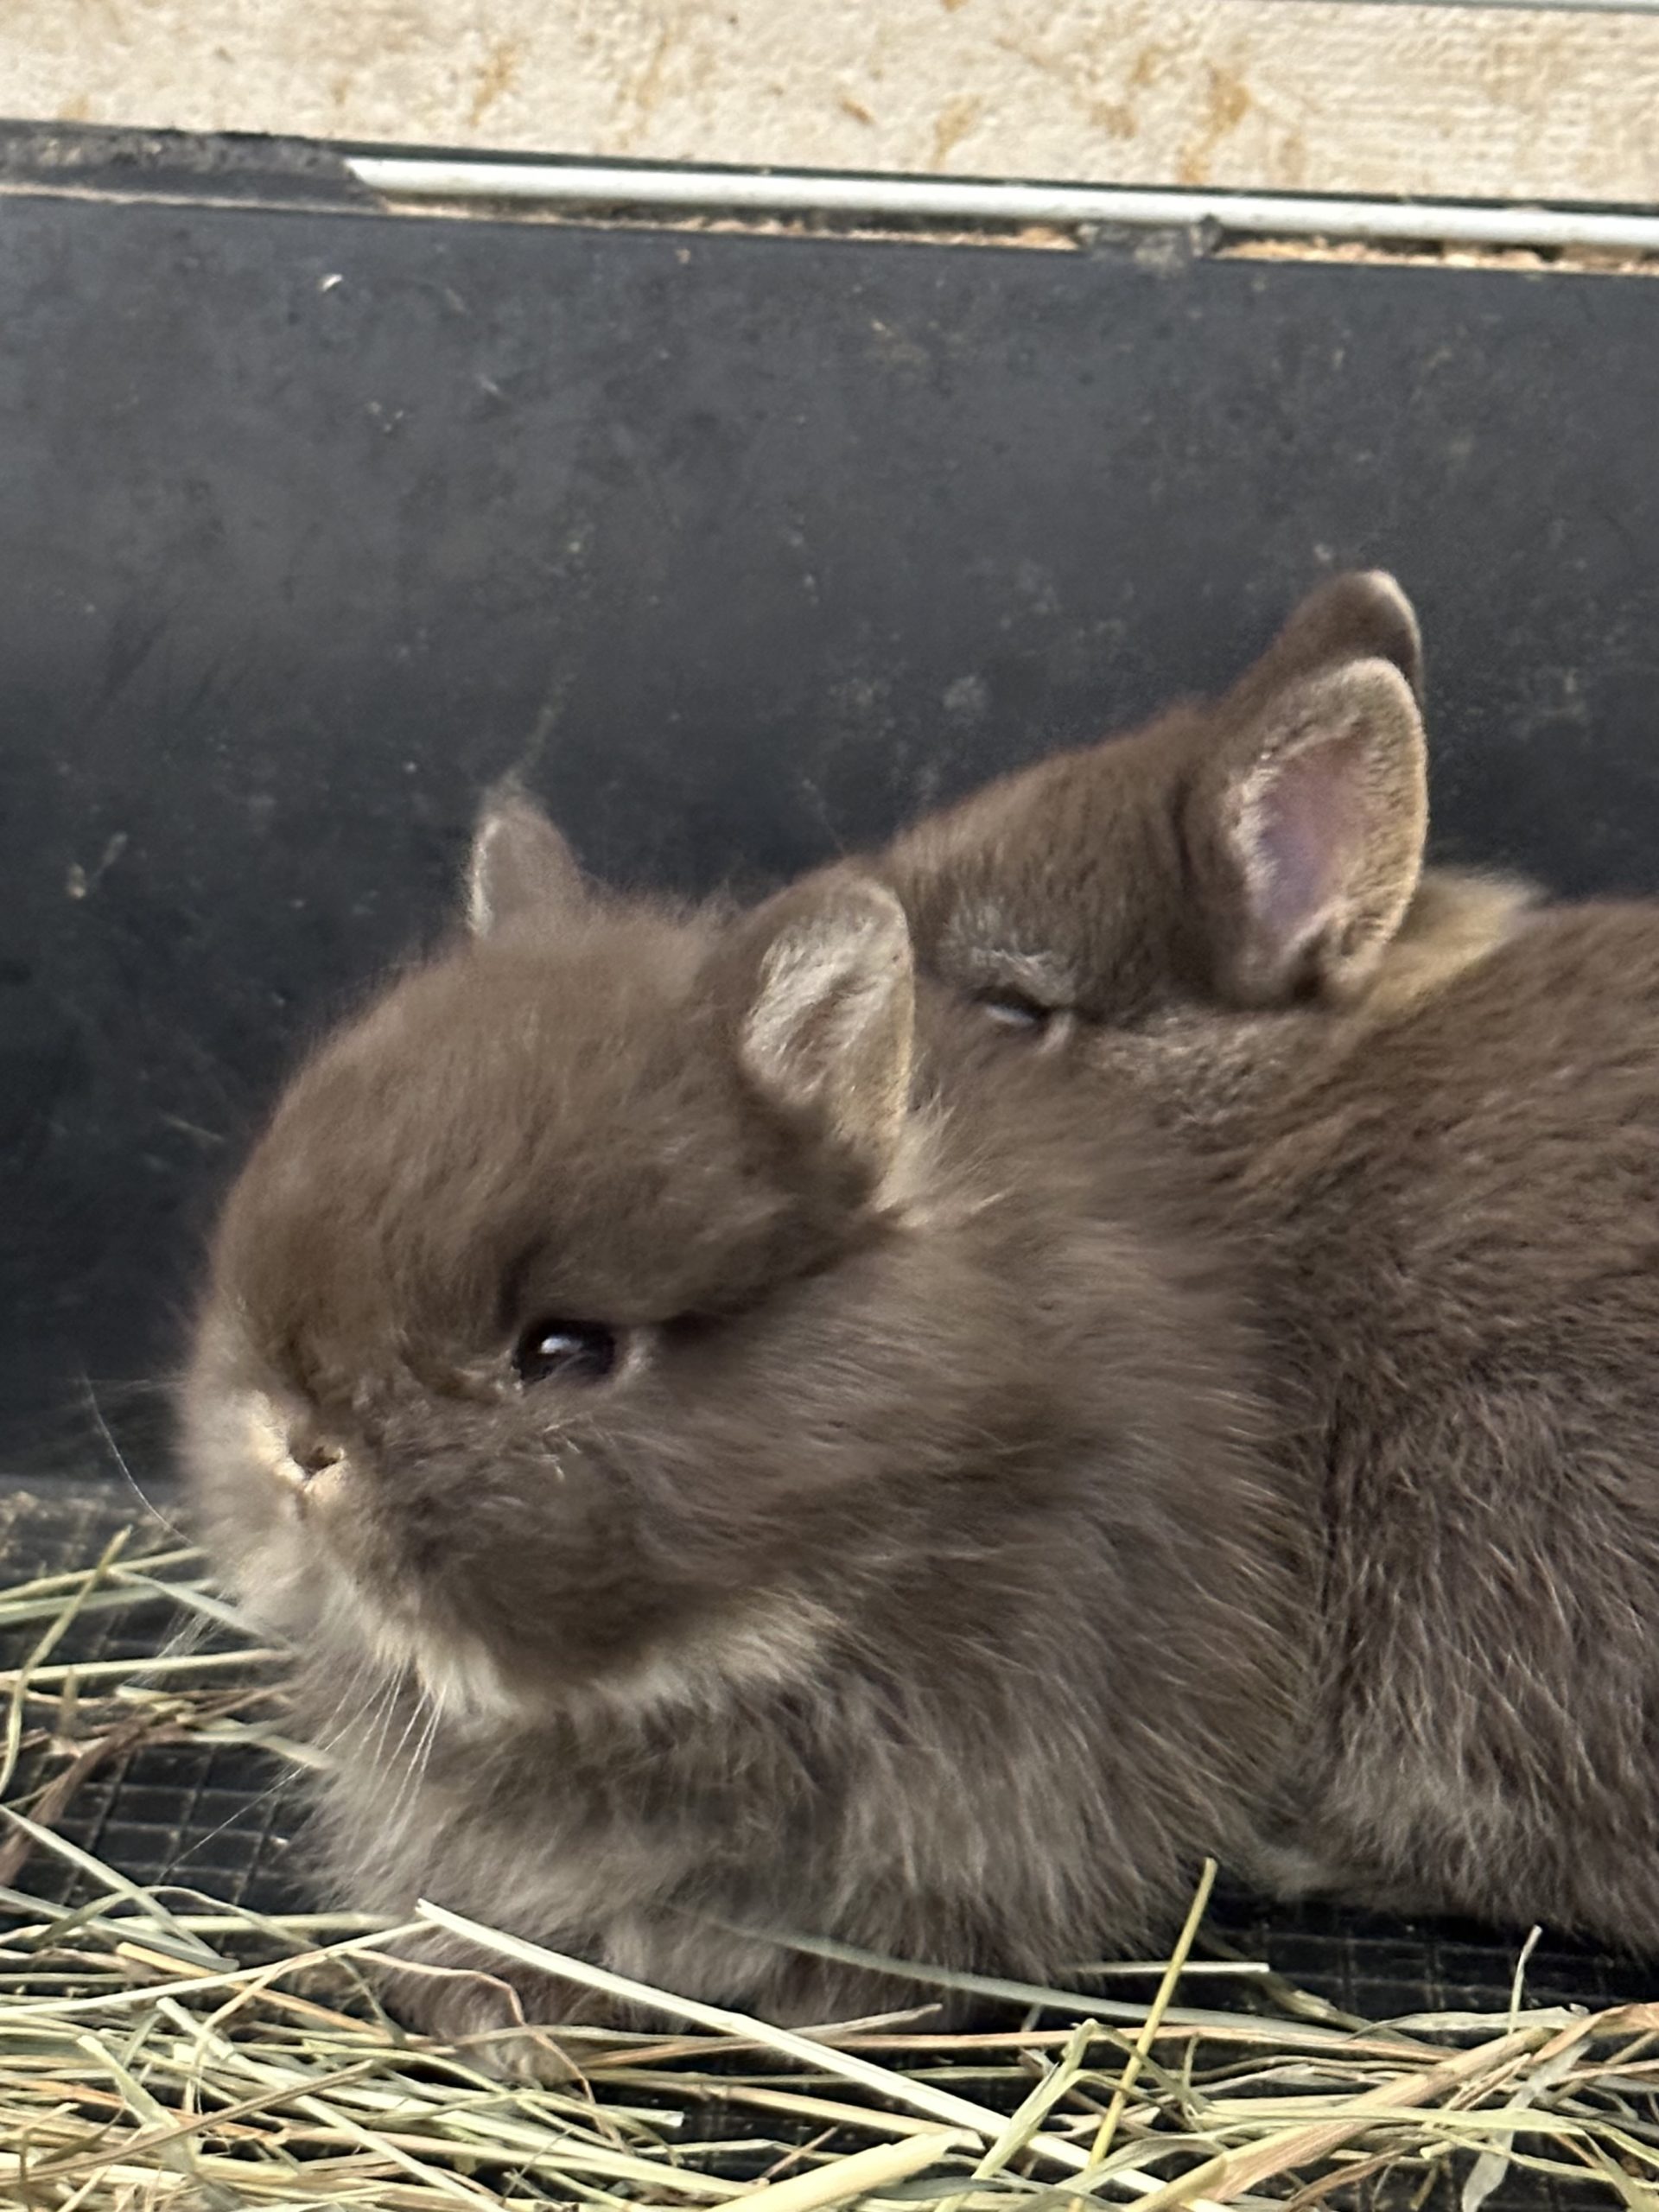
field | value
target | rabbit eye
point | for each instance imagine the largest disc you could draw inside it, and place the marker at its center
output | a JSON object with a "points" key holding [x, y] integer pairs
{"points": [[1013, 1010], [567, 1351]]}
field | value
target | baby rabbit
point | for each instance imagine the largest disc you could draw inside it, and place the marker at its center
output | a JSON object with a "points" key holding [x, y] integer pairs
{"points": [[1260, 851], [1430, 1108], [713, 1484]]}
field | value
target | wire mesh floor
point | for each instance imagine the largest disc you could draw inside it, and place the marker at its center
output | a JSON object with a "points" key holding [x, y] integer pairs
{"points": [[208, 1817]]}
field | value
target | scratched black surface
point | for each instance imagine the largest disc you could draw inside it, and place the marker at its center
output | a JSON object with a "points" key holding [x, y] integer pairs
{"points": [[311, 520]]}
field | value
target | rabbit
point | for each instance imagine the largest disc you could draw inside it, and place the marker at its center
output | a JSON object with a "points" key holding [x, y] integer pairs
{"points": [[712, 1484], [1427, 1104], [1259, 852]]}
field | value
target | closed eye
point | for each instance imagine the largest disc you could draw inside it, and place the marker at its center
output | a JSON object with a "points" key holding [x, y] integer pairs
{"points": [[1049, 1028], [1013, 1010]]}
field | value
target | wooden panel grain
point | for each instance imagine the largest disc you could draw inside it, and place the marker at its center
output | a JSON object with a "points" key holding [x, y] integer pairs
{"points": [[1296, 94]]}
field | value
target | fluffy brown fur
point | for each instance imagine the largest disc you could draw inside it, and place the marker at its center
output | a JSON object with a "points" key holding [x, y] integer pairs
{"points": [[911, 1578], [1431, 1110]]}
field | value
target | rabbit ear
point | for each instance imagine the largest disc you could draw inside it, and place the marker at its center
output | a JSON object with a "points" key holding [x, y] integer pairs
{"points": [[519, 861], [1304, 826], [826, 1036], [1360, 616]]}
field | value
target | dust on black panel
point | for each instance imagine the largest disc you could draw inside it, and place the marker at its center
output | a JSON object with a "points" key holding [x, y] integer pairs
{"points": [[741, 548]]}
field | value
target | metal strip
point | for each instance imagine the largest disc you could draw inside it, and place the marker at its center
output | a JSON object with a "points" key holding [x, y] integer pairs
{"points": [[945, 199]]}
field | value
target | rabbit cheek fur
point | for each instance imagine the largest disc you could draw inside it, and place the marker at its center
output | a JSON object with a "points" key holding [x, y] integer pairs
{"points": [[909, 1577], [1426, 1103]]}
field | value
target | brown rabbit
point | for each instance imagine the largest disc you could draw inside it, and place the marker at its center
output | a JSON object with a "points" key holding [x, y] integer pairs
{"points": [[714, 1484], [1430, 1108]]}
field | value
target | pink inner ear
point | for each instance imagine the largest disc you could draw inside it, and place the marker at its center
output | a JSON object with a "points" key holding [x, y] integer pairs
{"points": [[1303, 831]]}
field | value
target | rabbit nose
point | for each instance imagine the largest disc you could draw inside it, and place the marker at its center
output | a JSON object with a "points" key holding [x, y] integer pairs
{"points": [[308, 1457]]}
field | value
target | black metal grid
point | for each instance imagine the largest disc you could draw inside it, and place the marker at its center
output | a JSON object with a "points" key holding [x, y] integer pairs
{"points": [[204, 1816], [1383, 1968]]}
